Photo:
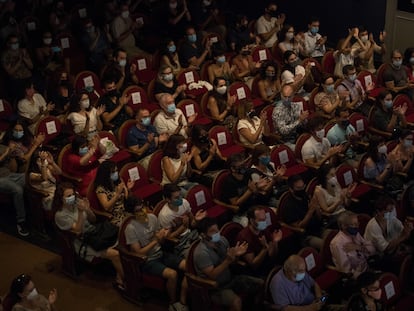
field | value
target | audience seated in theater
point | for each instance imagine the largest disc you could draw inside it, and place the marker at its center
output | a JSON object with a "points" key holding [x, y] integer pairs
{"points": [[23, 296], [366, 48], [391, 238], [269, 24], [327, 99], [142, 139], [192, 53], [288, 41], [239, 34], [112, 191], [221, 105], [267, 177], [294, 73], [314, 43], [350, 251], [172, 120], [409, 62], [269, 84], [59, 18], [329, 196], [212, 258], [317, 150], [145, 238], [43, 173], [220, 67], [22, 144], [345, 55], [169, 56], [303, 213], [13, 184], [176, 216], [32, 106], [368, 293], [386, 117], [82, 162], [116, 109], [245, 67], [175, 163], [176, 17], [288, 118], [49, 56], [75, 215], [262, 240], [61, 94], [166, 83], [404, 152], [85, 119], [251, 127], [207, 159]]}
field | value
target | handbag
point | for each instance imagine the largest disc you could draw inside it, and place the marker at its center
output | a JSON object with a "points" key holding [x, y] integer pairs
{"points": [[103, 236]]}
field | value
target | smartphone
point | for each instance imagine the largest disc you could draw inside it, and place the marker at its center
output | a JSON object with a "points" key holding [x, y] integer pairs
{"points": [[323, 298]]}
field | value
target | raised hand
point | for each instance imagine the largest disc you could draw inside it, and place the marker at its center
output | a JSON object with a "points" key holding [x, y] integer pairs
{"points": [[52, 296], [200, 214]]}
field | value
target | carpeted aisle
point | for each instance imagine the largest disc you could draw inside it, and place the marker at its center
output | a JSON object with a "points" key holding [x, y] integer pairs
{"points": [[90, 291]]}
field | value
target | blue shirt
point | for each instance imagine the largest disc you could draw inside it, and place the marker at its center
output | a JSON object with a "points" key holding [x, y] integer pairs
{"points": [[337, 135], [138, 137]]}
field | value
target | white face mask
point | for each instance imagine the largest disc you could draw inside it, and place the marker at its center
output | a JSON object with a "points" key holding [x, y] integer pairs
{"points": [[125, 14], [183, 148], [382, 149], [33, 294], [47, 41], [320, 134], [333, 181], [222, 90], [364, 38]]}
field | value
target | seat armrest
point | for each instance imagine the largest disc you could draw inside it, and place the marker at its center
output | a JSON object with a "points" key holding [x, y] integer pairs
{"points": [[293, 228], [233, 208], [71, 177], [102, 213], [373, 185], [209, 284]]}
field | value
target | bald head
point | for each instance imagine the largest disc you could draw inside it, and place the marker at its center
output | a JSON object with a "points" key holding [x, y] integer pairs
{"points": [[295, 264]]}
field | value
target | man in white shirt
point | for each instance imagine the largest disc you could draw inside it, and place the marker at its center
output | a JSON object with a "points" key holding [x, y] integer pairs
{"points": [[314, 42], [269, 24]]}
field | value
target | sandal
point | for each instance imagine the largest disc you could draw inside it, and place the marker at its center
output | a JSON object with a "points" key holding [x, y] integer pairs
{"points": [[119, 286]]}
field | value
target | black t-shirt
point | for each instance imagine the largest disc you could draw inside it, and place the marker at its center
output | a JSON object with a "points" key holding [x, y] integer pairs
{"points": [[234, 188], [122, 115]]}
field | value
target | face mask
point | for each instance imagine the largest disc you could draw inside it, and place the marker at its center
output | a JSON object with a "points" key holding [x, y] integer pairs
{"points": [[397, 63], [83, 151], [352, 77], [301, 194], [14, 46], [173, 5], [320, 134], [408, 142], [241, 170], [221, 59], [168, 77], [412, 60], [18, 134], [203, 139], [388, 104], [352, 231], [215, 237], [345, 123], [70, 200], [122, 62], [206, 2], [289, 35], [146, 121], [333, 181], [330, 88], [273, 13], [171, 108], [183, 148], [90, 29], [192, 38], [270, 74], [382, 149], [252, 114], [300, 276], [222, 90], [177, 202], [125, 14], [85, 104], [33, 294], [364, 38], [390, 215], [265, 160], [114, 176], [314, 30], [261, 225], [113, 93], [47, 41], [172, 48]]}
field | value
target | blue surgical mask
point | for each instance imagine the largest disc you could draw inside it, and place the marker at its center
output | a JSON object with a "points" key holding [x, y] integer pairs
{"points": [[265, 160], [171, 108], [352, 77], [172, 48], [388, 104], [83, 151], [397, 63], [18, 134], [352, 231], [177, 202], [221, 59], [216, 237], [70, 200], [146, 121], [314, 30], [408, 142], [330, 88], [300, 276], [261, 225], [390, 215], [115, 176], [192, 38]]}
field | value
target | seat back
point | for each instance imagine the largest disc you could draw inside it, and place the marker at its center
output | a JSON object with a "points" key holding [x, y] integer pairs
{"points": [[230, 230], [240, 90], [283, 155], [367, 80], [200, 198], [346, 175], [359, 122], [268, 295], [6, 115], [144, 72], [326, 254], [222, 136], [313, 261], [219, 184], [328, 62], [310, 187], [139, 97], [62, 157], [391, 290], [135, 172], [154, 167], [94, 202], [261, 54], [121, 235], [401, 100], [89, 81], [190, 107], [123, 132], [50, 126], [363, 220], [380, 74], [300, 141]]}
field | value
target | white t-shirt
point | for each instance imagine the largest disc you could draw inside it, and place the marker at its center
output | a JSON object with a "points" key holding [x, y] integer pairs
{"points": [[313, 149], [288, 77], [167, 124], [244, 123], [167, 216], [30, 110], [263, 26], [78, 121]]}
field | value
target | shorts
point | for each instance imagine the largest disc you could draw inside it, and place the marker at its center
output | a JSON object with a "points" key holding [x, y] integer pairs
{"points": [[154, 267]]}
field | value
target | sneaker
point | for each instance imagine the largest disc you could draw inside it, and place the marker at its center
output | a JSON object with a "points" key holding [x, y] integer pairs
{"points": [[22, 229], [178, 306]]}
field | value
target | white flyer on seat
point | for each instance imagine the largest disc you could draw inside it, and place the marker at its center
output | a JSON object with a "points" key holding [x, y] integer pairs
{"points": [[82, 12], [51, 127], [268, 219], [241, 94], [64, 43], [200, 197], [368, 82], [310, 262], [262, 55], [142, 64], [299, 104], [88, 81], [136, 98], [348, 178], [360, 125], [31, 26], [189, 110], [389, 290], [133, 174], [221, 138], [283, 157], [189, 77]]}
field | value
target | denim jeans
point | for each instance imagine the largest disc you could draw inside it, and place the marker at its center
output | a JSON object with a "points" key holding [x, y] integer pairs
{"points": [[14, 184]]}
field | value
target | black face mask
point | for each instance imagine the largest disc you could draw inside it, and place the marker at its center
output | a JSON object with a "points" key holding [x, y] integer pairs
{"points": [[345, 123], [203, 139], [272, 13], [245, 52], [113, 93], [301, 194]]}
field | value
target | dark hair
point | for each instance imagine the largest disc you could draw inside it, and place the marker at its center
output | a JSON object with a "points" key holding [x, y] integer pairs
{"points": [[263, 69], [251, 211], [75, 101], [169, 189], [116, 52], [170, 147], [58, 196], [234, 158], [313, 19], [166, 52], [281, 35], [325, 76], [347, 68], [340, 109], [27, 84], [218, 52], [109, 79], [381, 96], [315, 122], [383, 201], [103, 175], [287, 66], [259, 150], [33, 167], [322, 173], [372, 149], [293, 179], [196, 134], [204, 224], [130, 203], [77, 142], [366, 279], [17, 287], [27, 138], [407, 55], [404, 133]]}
